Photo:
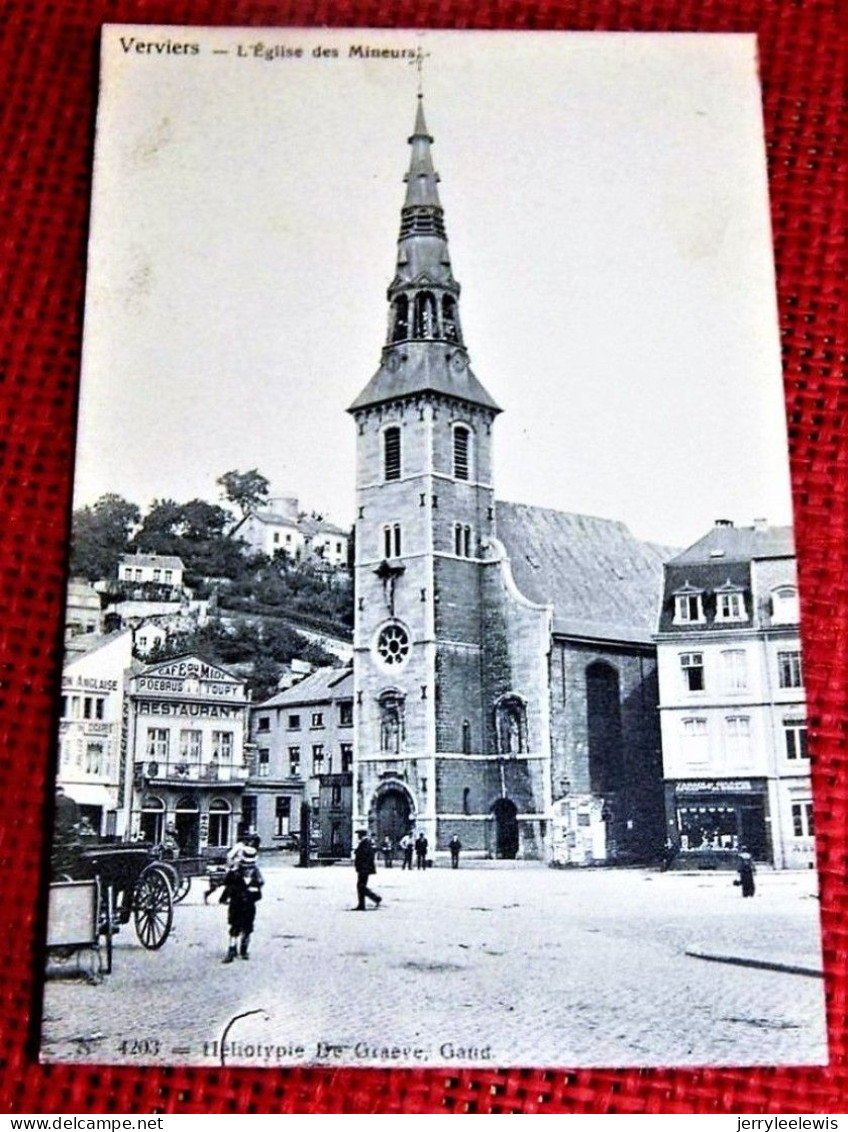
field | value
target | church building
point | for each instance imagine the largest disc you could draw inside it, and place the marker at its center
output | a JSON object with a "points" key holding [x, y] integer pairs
{"points": [[505, 683]]}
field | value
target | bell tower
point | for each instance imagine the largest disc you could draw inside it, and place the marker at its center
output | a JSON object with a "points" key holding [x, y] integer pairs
{"points": [[425, 521]]}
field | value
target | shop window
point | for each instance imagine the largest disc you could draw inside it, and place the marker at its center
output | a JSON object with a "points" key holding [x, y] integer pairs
{"points": [[784, 606], [264, 762], [789, 669], [219, 823], [692, 666], [795, 738], [734, 670], [707, 828], [802, 819], [391, 453]]}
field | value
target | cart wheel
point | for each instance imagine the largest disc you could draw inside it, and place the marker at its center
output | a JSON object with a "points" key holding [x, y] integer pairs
{"points": [[153, 908], [181, 891]]}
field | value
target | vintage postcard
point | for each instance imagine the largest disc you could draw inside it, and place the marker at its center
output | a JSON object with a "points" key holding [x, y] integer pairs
{"points": [[433, 691]]}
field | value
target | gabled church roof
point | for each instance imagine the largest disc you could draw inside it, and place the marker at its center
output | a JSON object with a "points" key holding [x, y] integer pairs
{"points": [[603, 583]]}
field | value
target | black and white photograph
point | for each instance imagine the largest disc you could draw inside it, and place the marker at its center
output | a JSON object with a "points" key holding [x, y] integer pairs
{"points": [[433, 691]]}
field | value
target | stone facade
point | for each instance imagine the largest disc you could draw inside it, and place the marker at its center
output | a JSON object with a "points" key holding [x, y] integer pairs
{"points": [[513, 711]]}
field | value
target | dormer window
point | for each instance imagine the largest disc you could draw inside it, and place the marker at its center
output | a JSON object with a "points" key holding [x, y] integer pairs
{"points": [[784, 606], [391, 453], [730, 604], [688, 606]]}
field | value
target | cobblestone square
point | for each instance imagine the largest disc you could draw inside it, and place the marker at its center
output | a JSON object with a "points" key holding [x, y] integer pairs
{"points": [[488, 964]]}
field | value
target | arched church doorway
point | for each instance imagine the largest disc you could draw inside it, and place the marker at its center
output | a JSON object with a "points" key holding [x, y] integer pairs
{"points": [[392, 815], [506, 829]]}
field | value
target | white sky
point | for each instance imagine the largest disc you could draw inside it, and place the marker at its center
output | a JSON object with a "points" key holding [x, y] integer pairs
{"points": [[606, 205]]}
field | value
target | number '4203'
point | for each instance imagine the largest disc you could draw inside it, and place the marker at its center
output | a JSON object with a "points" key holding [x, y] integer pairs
{"points": [[139, 1047]]}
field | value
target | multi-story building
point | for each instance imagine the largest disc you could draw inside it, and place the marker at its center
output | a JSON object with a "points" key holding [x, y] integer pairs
{"points": [[187, 731], [151, 569], [505, 676], [90, 721], [732, 705], [278, 525], [300, 736]]}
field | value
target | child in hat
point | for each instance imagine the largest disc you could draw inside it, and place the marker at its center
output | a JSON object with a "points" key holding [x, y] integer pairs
{"points": [[242, 892]]}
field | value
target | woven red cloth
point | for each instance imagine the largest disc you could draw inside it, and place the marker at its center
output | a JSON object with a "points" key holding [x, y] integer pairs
{"points": [[49, 68]]}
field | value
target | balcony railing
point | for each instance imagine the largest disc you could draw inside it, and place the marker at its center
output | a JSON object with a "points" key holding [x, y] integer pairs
{"points": [[179, 770]]}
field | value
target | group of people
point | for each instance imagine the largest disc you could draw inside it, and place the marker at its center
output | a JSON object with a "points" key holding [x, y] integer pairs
{"points": [[365, 860]]}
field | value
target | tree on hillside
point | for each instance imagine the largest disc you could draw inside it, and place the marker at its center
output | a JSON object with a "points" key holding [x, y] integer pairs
{"points": [[245, 490], [100, 534]]}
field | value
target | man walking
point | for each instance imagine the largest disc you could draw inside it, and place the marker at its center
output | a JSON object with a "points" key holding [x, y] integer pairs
{"points": [[363, 862]]}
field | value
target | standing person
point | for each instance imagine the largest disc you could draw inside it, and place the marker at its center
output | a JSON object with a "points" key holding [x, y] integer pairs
{"points": [[406, 847], [387, 851], [745, 868], [421, 851], [454, 845], [242, 892], [366, 867]]}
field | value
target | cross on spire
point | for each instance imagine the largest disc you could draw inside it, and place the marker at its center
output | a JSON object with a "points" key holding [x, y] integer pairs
{"points": [[418, 63]]}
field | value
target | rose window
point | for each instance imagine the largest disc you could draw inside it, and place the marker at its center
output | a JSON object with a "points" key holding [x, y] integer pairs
{"points": [[393, 645]]}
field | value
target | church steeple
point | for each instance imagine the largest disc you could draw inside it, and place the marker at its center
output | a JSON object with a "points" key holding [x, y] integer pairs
{"points": [[424, 349]]}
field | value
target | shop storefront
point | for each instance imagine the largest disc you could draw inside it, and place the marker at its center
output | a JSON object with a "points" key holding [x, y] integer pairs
{"points": [[710, 820]]}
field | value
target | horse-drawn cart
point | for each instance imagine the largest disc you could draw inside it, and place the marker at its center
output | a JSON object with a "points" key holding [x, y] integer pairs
{"points": [[104, 886]]}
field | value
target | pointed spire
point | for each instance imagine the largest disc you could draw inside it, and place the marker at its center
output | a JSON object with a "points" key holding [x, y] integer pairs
{"points": [[424, 349], [421, 180]]}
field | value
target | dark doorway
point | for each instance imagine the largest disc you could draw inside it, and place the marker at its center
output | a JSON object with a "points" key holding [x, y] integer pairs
{"points": [[606, 743], [506, 829], [393, 815], [752, 830], [187, 821]]}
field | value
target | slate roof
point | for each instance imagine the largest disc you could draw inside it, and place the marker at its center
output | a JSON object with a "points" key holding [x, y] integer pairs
{"points": [[603, 583], [723, 556], [738, 544], [168, 561], [323, 685], [422, 371]]}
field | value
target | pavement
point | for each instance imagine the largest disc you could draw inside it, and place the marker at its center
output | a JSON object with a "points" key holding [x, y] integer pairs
{"points": [[477, 966]]}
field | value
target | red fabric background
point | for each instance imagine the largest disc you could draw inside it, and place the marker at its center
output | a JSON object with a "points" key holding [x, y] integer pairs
{"points": [[49, 61]]}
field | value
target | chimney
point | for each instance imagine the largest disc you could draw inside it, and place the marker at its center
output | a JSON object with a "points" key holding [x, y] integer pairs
{"points": [[724, 522], [760, 524]]}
